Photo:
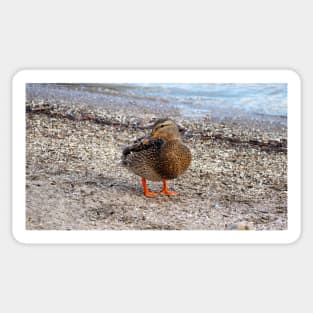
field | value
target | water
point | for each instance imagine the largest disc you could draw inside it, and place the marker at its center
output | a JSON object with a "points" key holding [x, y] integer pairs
{"points": [[192, 100]]}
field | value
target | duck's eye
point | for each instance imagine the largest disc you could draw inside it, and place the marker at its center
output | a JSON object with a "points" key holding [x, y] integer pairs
{"points": [[159, 127]]}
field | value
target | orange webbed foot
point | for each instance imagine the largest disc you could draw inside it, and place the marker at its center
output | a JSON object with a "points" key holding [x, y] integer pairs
{"points": [[165, 191], [151, 194], [168, 193]]}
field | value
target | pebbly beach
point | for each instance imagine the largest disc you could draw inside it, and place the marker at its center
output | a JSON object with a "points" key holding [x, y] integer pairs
{"points": [[74, 179]]}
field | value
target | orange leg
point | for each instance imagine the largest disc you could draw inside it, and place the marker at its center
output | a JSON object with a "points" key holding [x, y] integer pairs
{"points": [[146, 190], [165, 191]]}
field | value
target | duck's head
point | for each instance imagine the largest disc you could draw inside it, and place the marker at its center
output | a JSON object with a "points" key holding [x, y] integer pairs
{"points": [[165, 128]]}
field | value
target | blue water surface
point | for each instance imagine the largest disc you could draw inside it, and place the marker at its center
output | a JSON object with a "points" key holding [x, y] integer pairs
{"points": [[192, 100], [264, 99]]}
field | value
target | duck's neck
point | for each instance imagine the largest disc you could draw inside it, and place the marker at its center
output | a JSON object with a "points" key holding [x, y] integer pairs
{"points": [[170, 138], [173, 140]]}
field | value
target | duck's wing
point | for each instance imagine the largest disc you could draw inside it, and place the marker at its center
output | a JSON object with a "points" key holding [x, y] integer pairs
{"points": [[145, 144]]}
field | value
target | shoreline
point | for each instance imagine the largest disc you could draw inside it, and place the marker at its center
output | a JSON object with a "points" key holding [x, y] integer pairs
{"points": [[264, 132], [238, 173]]}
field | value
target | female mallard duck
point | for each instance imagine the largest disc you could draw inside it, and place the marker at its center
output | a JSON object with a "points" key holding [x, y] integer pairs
{"points": [[158, 157]]}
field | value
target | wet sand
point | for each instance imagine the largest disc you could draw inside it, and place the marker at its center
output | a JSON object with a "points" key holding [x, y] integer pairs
{"points": [[74, 180]]}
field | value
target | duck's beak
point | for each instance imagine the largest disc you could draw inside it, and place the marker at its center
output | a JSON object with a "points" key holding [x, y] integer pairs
{"points": [[146, 139], [154, 134]]}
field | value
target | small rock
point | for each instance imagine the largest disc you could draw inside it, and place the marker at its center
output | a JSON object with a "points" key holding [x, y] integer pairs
{"points": [[240, 226]]}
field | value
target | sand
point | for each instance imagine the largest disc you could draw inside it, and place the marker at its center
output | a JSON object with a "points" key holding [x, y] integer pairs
{"points": [[74, 181]]}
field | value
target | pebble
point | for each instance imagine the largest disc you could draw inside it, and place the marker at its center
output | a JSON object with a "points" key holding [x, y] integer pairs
{"points": [[240, 226]]}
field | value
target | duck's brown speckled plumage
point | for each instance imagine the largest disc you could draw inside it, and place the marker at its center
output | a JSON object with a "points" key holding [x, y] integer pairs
{"points": [[157, 159], [143, 158], [161, 156]]}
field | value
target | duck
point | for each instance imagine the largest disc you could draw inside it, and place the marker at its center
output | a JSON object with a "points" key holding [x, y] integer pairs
{"points": [[160, 156]]}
